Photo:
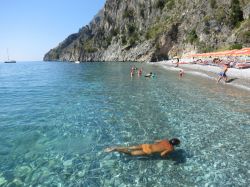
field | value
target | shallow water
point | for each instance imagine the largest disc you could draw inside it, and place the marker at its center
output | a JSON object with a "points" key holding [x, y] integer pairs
{"points": [[56, 119]]}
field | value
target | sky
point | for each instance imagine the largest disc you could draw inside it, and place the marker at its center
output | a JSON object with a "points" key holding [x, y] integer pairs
{"points": [[30, 28]]}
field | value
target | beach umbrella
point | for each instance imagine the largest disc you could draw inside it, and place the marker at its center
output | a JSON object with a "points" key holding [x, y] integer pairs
{"points": [[242, 52], [215, 54], [225, 53], [234, 52]]}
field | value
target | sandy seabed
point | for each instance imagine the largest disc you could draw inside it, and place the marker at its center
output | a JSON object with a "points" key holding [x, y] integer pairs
{"points": [[239, 78]]}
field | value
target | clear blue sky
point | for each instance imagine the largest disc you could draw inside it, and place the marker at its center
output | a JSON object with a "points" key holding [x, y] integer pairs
{"points": [[30, 28]]}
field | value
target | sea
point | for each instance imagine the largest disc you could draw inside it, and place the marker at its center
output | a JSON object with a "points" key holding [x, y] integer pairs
{"points": [[56, 118]]}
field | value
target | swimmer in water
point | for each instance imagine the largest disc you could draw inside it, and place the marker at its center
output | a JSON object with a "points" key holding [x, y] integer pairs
{"points": [[149, 74], [162, 147], [181, 73], [139, 72]]}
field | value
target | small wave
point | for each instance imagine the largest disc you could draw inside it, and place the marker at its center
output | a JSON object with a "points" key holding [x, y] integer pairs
{"points": [[200, 74], [171, 68], [241, 86]]}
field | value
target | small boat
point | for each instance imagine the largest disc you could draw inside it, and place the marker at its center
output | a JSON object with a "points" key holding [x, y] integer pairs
{"points": [[77, 62], [9, 61]]}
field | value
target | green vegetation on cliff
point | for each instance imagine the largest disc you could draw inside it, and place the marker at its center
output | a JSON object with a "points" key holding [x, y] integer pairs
{"points": [[236, 14], [156, 29]]}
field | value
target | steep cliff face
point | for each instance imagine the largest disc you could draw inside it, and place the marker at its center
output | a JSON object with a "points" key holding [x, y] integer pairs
{"points": [[129, 30]]}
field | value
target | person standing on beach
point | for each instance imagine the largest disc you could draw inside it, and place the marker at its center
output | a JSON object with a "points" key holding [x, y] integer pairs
{"points": [[163, 147], [177, 62], [222, 74]]}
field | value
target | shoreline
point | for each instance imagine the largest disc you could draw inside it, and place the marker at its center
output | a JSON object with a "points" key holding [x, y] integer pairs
{"points": [[238, 78]]}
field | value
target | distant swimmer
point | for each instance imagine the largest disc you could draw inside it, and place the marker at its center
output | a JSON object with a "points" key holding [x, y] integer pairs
{"points": [[131, 72], [139, 72], [162, 147], [222, 74], [181, 73], [149, 74]]}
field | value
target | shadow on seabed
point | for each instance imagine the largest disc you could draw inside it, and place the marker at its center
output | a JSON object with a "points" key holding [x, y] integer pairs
{"points": [[179, 156]]}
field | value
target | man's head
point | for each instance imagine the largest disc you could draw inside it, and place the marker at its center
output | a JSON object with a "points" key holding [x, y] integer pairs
{"points": [[174, 141]]}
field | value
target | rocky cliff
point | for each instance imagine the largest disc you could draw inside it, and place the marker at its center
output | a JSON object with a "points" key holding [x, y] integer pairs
{"points": [[152, 30]]}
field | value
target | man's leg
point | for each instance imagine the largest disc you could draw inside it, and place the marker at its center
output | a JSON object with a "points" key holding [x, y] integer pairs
{"points": [[126, 150], [218, 80], [225, 79], [138, 153]]}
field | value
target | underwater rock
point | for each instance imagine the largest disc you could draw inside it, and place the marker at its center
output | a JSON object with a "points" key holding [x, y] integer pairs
{"points": [[81, 173], [107, 183], [108, 163], [67, 163], [2, 180], [16, 183], [29, 155], [4, 151], [160, 164], [22, 171], [51, 163], [198, 179], [36, 175], [188, 168]]}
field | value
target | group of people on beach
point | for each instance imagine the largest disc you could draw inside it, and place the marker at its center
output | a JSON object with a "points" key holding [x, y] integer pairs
{"points": [[219, 62], [222, 74], [214, 62]]}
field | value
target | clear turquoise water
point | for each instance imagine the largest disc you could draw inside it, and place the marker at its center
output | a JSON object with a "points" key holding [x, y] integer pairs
{"points": [[56, 119]]}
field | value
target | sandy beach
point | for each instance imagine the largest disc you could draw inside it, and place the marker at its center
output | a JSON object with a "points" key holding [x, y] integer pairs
{"points": [[239, 78]]}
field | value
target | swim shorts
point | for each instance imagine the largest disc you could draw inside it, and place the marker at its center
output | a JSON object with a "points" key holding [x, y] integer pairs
{"points": [[222, 74], [146, 148]]}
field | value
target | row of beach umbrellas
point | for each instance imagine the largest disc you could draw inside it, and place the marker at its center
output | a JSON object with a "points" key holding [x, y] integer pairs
{"points": [[235, 52]]}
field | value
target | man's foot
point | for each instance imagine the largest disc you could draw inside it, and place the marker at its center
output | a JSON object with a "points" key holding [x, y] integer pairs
{"points": [[109, 149]]}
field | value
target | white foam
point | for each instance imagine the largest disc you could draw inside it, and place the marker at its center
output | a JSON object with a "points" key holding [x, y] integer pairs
{"points": [[171, 68], [240, 86], [200, 74]]}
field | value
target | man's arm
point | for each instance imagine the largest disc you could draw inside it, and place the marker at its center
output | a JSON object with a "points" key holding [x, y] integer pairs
{"points": [[158, 141], [164, 153]]}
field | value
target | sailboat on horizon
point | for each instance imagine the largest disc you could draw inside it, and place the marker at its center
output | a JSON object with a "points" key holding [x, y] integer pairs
{"points": [[9, 61]]}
